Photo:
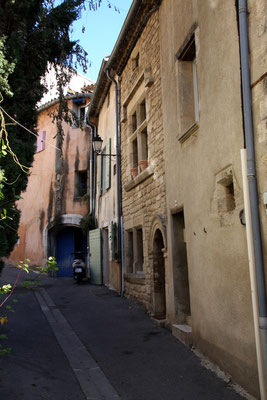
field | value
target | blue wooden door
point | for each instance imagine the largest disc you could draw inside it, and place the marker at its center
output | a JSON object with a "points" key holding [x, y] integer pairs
{"points": [[65, 250]]}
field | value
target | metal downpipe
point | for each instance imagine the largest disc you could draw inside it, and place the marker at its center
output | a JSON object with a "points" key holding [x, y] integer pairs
{"points": [[119, 210], [91, 125], [94, 169], [251, 175]]}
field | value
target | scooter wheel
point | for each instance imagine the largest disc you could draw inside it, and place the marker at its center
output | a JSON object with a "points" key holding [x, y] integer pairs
{"points": [[79, 279]]}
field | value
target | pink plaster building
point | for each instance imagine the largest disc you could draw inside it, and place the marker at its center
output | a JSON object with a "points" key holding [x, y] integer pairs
{"points": [[57, 195]]}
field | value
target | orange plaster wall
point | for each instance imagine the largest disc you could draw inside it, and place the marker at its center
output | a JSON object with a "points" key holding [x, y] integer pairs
{"points": [[37, 204]]}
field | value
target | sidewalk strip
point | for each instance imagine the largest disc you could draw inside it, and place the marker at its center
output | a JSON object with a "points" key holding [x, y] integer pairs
{"points": [[94, 383]]}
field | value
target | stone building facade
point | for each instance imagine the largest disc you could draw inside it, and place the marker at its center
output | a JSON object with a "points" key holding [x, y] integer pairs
{"points": [[104, 239], [142, 170], [135, 66], [177, 66]]}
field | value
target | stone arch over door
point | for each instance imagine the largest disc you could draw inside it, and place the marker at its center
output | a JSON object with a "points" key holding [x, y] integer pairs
{"points": [[158, 256], [64, 219]]}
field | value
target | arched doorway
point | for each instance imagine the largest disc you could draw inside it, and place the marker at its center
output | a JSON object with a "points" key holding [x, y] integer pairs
{"points": [[62, 238], [159, 295]]}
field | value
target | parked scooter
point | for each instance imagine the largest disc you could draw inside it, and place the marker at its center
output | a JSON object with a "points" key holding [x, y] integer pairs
{"points": [[79, 267]]}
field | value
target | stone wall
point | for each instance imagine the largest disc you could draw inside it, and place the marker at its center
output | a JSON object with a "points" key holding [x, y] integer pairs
{"points": [[144, 196]]}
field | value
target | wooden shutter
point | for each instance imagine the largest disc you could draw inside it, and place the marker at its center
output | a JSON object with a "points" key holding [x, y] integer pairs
{"points": [[99, 175], [95, 260], [40, 144], [108, 165], [113, 240], [43, 140]]}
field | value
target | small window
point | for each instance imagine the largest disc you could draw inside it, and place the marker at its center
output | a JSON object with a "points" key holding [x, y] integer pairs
{"points": [[143, 146], [78, 115], [134, 252], [225, 192], [134, 122], [134, 154], [230, 196], [142, 111], [80, 183], [40, 144], [188, 91], [139, 250], [81, 115], [139, 139], [129, 254]]}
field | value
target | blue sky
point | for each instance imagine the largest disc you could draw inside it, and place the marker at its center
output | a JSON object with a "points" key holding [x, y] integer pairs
{"points": [[102, 28]]}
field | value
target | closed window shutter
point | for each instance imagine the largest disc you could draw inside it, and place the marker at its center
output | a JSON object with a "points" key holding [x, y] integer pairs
{"points": [[99, 169], [113, 240], [43, 140], [108, 165], [40, 144]]}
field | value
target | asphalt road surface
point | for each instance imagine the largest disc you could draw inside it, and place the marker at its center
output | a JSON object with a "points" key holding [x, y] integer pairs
{"points": [[76, 342]]}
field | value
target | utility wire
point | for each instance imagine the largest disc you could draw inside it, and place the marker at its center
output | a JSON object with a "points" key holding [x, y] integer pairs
{"points": [[26, 129]]}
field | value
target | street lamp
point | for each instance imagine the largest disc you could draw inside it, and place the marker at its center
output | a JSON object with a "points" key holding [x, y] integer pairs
{"points": [[97, 144]]}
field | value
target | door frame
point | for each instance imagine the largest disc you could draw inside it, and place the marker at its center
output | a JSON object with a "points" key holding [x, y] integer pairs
{"points": [[158, 223]]}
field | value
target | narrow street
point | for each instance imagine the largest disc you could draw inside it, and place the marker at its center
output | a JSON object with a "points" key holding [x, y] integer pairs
{"points": [[79, 342]]}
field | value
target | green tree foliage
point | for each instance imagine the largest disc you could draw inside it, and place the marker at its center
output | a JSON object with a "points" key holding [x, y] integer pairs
{"points": [[5, 69], [34, 33]]}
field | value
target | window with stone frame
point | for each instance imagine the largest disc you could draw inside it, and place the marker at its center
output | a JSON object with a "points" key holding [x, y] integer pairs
{"points": [[134, 251], [187, 88], [138, 137]]}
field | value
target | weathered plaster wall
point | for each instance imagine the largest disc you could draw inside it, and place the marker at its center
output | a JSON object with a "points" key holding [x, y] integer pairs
{"points": [[146, 199], [106, 204], [106, 207], [221, 315], [76, 158], [38, 203]]}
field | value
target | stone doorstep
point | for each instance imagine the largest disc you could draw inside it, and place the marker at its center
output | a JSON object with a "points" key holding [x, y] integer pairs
{"points": [[183, 333]]}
